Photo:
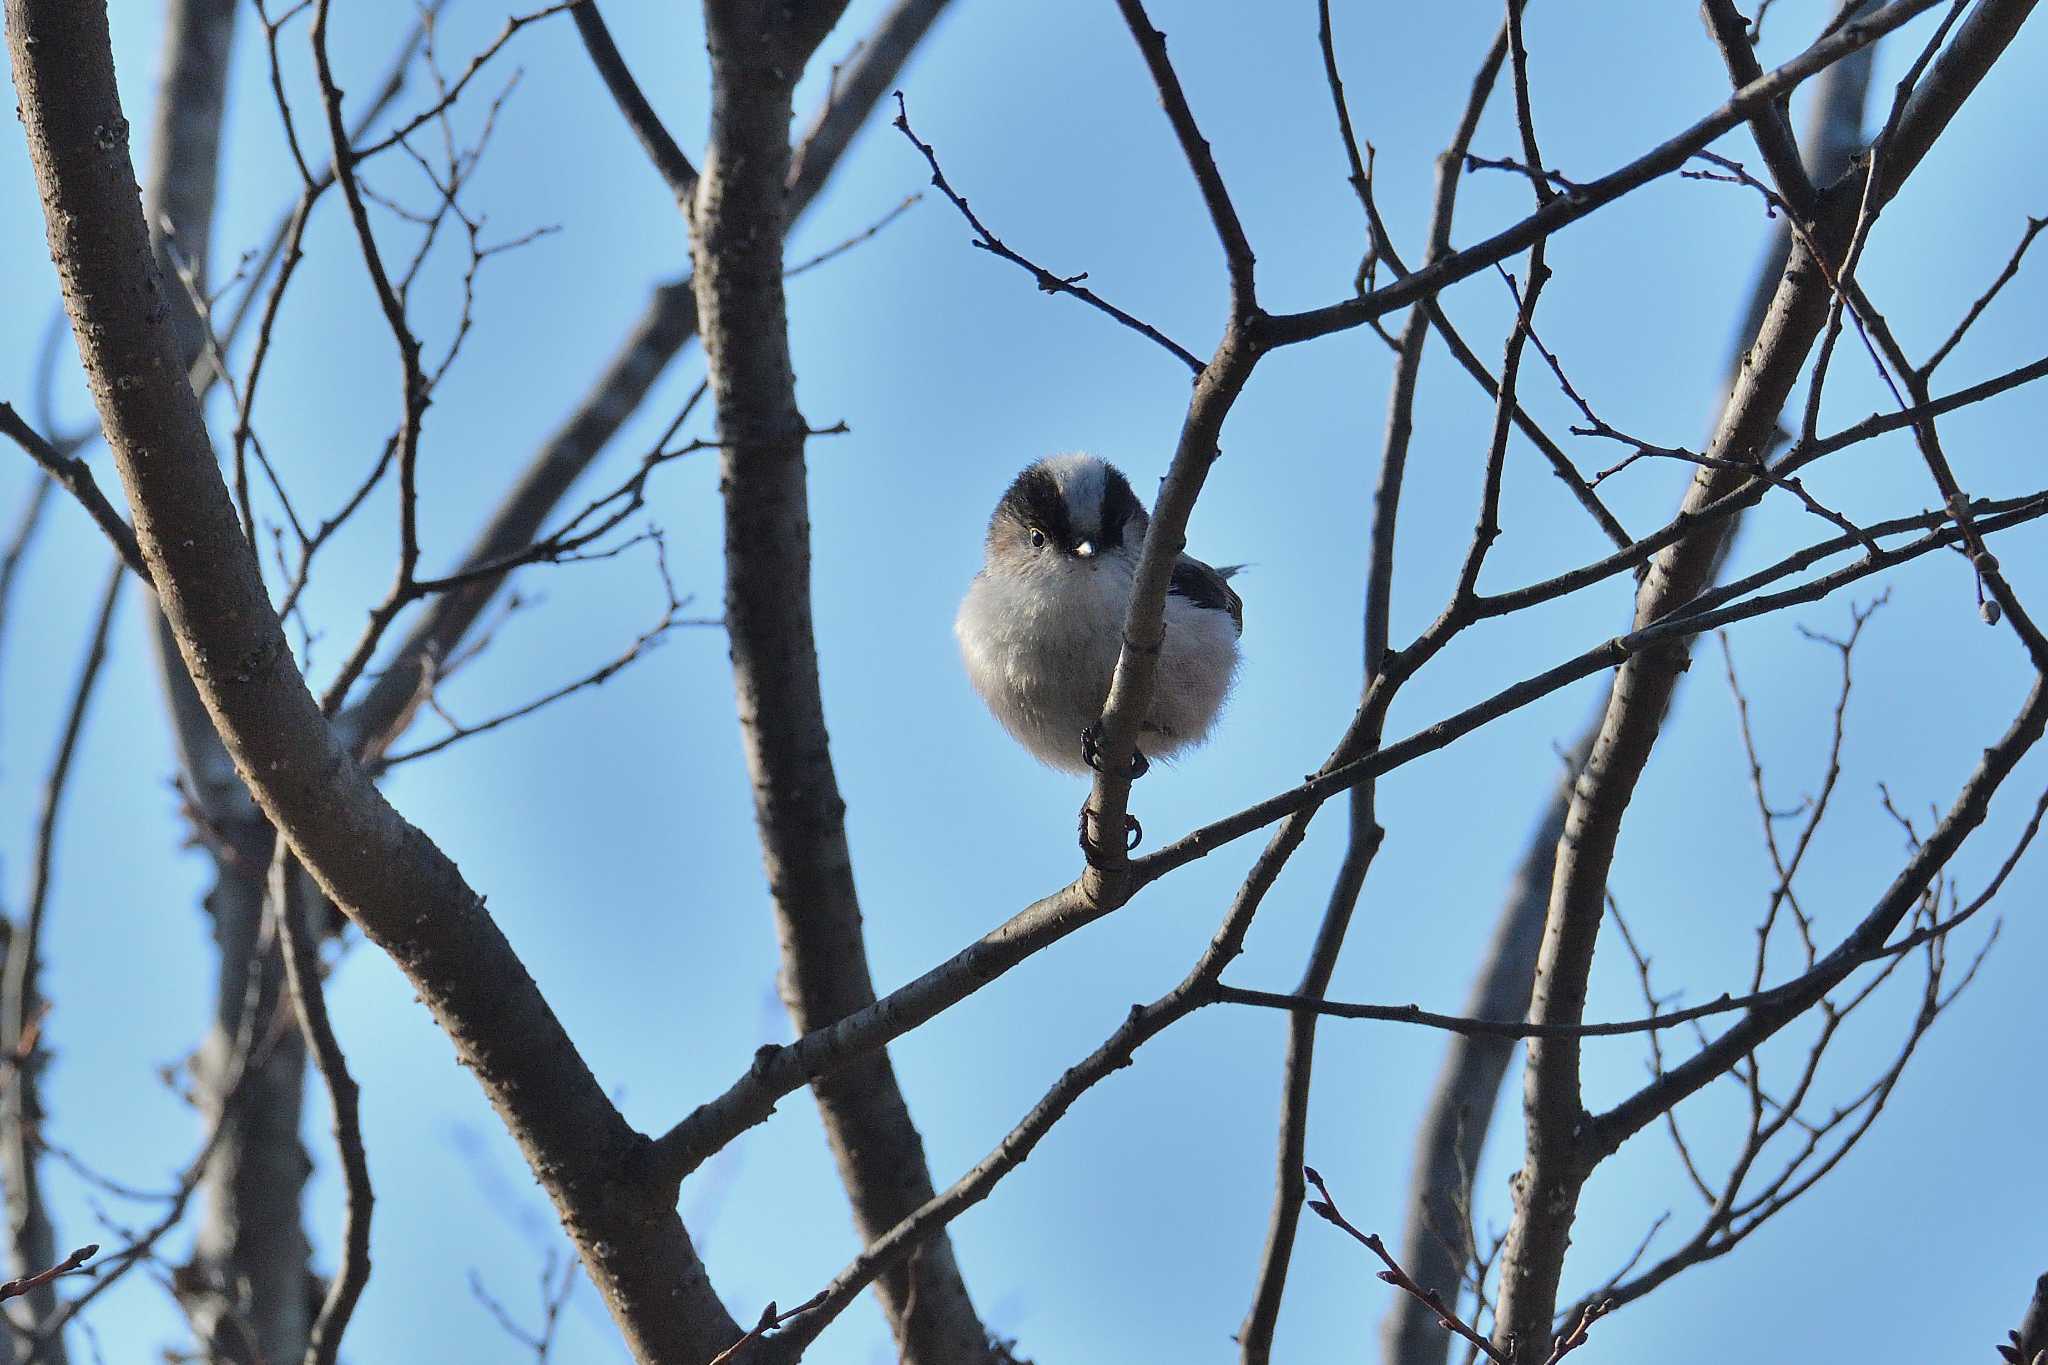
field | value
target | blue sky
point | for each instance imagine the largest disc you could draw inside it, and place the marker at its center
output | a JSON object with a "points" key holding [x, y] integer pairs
{"points": [[613, 837]]}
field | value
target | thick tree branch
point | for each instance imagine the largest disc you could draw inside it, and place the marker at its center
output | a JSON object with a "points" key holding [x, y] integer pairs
{"points": [[1460, 1115], [738, 224], [246, 1287], [2030, 1340], [388, 876], [1559, 1155]]}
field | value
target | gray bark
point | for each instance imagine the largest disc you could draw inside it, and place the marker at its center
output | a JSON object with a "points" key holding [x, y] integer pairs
{"points": [[1561, 1151], [247, 1287], [1461, 1107], [384, 873], [738, 225]]}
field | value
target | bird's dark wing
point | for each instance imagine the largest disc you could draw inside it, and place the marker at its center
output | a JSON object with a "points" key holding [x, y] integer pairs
{"points": [[1206, 587]]}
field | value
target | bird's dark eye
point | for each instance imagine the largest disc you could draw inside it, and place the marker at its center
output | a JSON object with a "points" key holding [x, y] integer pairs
{"points": [[1037, 539]]}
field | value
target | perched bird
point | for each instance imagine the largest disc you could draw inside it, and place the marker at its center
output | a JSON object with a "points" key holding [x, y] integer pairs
{"points": [[1043, 621]]}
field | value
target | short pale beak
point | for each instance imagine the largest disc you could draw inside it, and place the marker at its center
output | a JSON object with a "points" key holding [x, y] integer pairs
{"points": [[1085, 550]]}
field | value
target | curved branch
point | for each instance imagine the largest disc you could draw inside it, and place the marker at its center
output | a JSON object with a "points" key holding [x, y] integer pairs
{"points": [[383, 872], [674, 168]]}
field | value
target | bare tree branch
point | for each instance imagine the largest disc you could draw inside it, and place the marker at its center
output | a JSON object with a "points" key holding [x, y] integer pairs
{"points": [[1461, 1108], [1255, 1336], [386, 874], [1770, 124], [664, 327], [28, 1284], [1288, 328], [674, 167], [1046, 280], [75, 476], [294, 909], [246, 1287], [2031, 1339], [1560, 1154], [1216, 389], [31, 1240], [737, 226]]}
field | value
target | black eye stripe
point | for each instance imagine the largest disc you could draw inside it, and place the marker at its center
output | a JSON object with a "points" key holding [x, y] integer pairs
{"points": [[1034, 503], [1121, 509]]}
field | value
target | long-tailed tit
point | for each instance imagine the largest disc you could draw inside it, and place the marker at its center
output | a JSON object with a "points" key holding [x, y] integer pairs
{"points": [[1043, 622]]}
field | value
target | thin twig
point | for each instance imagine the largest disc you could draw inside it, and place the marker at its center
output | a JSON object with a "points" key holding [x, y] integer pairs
{"points": [[289, 903], [2012, 268], [1326, 1209], [1047, 282], [15, 1288], [76, 477]]}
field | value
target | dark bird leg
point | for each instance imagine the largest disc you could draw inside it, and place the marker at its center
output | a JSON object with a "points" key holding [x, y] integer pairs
{"points": [[1134, 833], [1091, 753]]}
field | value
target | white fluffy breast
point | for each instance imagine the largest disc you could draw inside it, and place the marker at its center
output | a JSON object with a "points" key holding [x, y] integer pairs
{"points": [[1041, 643]]}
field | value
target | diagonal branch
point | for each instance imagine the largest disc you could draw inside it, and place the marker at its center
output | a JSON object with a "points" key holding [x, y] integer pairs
{"points": [[1216, 390], [1769, 124], [382, 871], [75, 476], [1237, 249], [1289, 328], [674, 167], [1560, 1154]]}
